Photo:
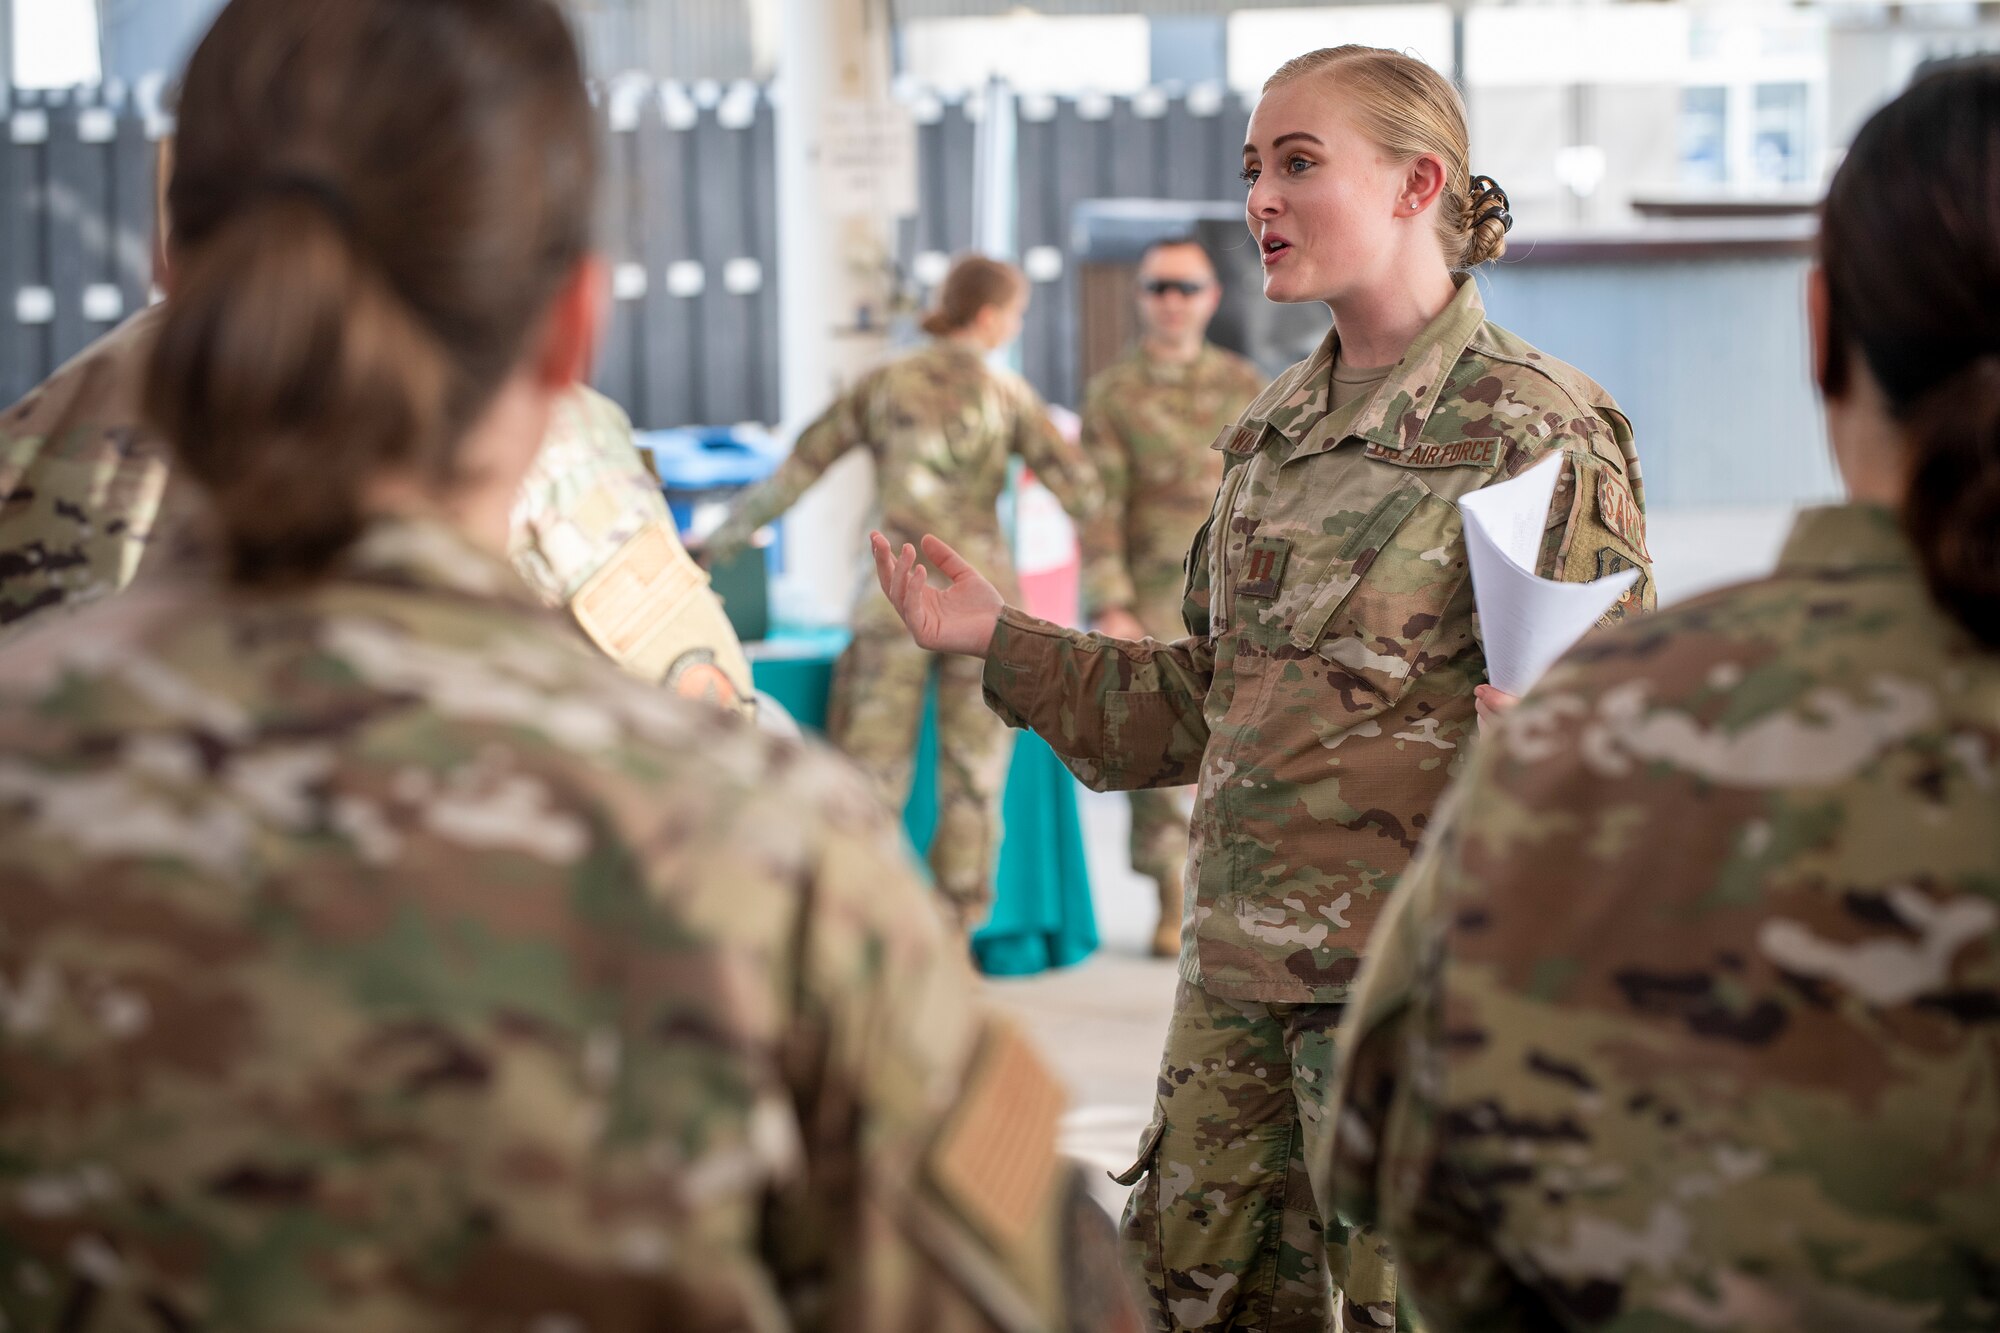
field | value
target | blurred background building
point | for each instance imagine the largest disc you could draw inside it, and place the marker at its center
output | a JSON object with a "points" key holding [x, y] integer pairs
{"points": [[1663, 158]]}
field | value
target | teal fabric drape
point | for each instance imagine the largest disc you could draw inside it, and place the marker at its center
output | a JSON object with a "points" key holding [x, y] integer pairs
{"points": [[1042, 915]]}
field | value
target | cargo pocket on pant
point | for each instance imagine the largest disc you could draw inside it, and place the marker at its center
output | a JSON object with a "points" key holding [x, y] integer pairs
{"points": [[1140, 1229]]}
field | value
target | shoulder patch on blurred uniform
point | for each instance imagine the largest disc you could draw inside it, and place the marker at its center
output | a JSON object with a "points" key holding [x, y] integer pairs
{"points": [[1264, 561], [1620, 512], [624, 603], [1459, 453], [996, 1160]]}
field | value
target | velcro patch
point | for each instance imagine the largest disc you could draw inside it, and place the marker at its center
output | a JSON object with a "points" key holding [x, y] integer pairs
{"points": [[996, 1161], [1620, 513], [1264, 561], [642, 587], [1459, 453]]}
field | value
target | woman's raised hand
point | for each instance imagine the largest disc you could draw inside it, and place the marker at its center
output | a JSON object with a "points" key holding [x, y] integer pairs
{"points": [[958, 619]]}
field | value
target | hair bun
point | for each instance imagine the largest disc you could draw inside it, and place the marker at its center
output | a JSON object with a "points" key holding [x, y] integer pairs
{"points": [[1489, 203]]}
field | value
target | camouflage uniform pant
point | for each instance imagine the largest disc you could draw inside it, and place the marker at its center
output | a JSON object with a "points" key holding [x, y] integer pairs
{"points": [[1221, 1220], [874, 718], [1160, 832]]}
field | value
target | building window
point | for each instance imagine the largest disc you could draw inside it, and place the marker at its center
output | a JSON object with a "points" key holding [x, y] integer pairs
{"points": [[1704, 136], [1778, 149]]}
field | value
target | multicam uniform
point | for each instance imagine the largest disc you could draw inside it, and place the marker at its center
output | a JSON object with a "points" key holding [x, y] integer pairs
{"points": [[82, 482], [86, 495], [1685, 1018], [592, 533], [941, 425], [1147, 424], [1322, 701], [377, 956]]}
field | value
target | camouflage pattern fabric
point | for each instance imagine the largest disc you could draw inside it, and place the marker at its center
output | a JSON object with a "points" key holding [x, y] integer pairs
{"points": [[592, 533], [87, 496], [1146, 429], [81, 481], [1147, 425], [1685, 1018], [1222, 1222], [1323, 697], [379, 957], [941, 426], [874, 717]]}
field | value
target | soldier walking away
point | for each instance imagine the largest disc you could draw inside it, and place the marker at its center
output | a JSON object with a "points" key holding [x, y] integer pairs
{"points": [[941, 426], [1147, 424], [373, 953], [1323, 696], [1685, 1018]]}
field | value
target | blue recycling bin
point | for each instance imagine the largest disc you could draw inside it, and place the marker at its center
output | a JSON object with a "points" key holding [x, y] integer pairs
{"points": [[704, 468]]}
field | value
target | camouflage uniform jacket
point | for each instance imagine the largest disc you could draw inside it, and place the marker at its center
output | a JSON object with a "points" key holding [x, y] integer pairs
{"points": [[591, 532], [1146, 429], [1324, 696], [1685, 1018], [81, 481], [379, 957], [941, 425]]}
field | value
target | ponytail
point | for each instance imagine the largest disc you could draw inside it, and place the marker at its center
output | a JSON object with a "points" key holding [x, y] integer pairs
{"points": [[289, 373], [973, 284], [1910, 248], [374, 204], [1952, 509]]}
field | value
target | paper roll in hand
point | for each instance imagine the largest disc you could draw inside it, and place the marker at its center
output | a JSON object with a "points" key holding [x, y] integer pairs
{"points": [[1525, 620]]}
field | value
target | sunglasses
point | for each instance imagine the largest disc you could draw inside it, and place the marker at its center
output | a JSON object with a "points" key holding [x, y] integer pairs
{"points": [[1161, 286]]}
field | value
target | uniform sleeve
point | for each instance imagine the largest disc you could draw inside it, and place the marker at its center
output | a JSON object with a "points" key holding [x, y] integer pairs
{"points": [[1597, 528], [1058, 464], [840, 428], [1107, 577], [934, 1194], [1120, 715]]}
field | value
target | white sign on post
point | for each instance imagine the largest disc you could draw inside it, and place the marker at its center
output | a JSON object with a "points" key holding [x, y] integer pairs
{"points": [[868, 159]]}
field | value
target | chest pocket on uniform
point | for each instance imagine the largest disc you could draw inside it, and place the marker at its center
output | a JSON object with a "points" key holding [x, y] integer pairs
{"points": [[1390, 607]]}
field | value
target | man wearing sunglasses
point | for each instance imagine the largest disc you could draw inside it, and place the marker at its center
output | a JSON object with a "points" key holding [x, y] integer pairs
{"points": [[1148, 421]]}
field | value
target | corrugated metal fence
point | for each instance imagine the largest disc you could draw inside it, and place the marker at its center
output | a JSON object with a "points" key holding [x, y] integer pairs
{"points": [[76, 226], [690, 225]]}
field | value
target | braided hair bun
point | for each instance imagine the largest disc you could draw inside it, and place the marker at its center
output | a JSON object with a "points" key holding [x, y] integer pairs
{"points": [[1487, 222]]}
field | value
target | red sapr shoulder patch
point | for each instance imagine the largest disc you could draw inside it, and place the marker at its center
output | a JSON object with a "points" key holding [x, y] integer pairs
{"points": [[1620, 513]]}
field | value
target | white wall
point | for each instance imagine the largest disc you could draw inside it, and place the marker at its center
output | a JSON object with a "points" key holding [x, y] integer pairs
{"points": [[1034, 53], [1260, 40]]}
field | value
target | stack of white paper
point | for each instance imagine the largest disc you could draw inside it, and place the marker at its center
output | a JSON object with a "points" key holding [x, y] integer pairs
{"points": [[1527, 621]]}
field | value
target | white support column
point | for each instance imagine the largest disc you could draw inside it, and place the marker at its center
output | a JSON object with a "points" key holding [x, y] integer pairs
{"points": [[835, 289]]}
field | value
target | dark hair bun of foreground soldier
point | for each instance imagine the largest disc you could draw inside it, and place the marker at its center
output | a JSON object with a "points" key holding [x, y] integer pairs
{"points": [[1911, 246], [374, 203]]}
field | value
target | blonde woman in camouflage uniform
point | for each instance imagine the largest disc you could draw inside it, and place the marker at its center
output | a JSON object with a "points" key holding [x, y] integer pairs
{"points": [[941, 426], [373, 954], [1324, 695], [1686, 1018]]}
